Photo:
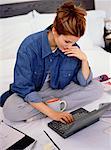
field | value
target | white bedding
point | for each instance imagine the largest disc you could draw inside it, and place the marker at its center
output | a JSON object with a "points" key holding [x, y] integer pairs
{"points": [[35, 130], [6, 75], [13, 30], [99, 60]]}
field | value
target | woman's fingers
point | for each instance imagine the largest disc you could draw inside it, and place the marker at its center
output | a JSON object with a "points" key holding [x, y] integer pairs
{"points": [[68, 118], [71, 118], [63, 121]]}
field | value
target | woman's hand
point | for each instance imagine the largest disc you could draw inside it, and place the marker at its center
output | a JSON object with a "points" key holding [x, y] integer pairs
{"points": [[63, 117], [74, 51]]}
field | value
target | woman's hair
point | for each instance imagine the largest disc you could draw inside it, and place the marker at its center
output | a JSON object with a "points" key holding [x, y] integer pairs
{"points": [[70, 20]]}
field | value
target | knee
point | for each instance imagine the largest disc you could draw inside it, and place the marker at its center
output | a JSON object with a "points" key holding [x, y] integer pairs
{"points": [[11, 107], [96, 89], [9, 113]]}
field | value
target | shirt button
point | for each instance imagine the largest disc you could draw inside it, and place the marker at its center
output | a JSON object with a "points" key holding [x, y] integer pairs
{"points": [[50, 60], [35, 72], [69, 74]]}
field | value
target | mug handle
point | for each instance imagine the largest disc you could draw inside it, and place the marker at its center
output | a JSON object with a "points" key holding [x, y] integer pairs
{"points": [[65, 105]]}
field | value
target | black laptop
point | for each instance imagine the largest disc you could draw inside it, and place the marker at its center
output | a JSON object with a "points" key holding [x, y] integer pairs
{"points": [[82, 119]]}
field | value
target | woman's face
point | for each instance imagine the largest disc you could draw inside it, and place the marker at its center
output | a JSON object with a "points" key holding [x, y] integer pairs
{"points": [[65, 41]]}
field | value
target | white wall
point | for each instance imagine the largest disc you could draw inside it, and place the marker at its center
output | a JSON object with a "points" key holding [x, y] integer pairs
{"points": [[104, 5]]}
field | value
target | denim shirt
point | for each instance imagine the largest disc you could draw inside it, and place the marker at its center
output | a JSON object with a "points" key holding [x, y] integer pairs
{"points": [[35, 59]]}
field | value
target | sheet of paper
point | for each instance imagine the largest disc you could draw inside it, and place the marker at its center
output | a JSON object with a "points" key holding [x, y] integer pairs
{"points": [[107, 86], [1, 115], [8, 136], [108, 131], [44, 143], [108, 120]]}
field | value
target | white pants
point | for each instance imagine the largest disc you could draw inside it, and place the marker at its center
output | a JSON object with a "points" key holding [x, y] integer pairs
{"points": [[15, 109]]}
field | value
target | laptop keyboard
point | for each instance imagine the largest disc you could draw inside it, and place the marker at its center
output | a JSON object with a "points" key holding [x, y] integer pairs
{"points": [[82, 119], [61, 128]]}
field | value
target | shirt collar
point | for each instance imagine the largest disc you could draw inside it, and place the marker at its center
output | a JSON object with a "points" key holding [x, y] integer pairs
{"points": [[46, 50], [58, 52]]}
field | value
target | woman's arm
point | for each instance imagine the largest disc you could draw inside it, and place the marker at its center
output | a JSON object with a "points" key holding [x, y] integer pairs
{"points": [[64, 117], [85, 69], [75, 51]]}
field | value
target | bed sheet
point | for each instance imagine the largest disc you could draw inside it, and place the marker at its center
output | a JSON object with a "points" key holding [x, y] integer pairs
{"points": [[28, 127], [35, 130]]}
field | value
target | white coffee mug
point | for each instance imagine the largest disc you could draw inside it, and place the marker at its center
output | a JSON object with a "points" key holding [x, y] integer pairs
{"points": [[56, 103]]}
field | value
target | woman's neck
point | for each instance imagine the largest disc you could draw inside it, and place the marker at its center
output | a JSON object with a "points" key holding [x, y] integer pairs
{"points": [[52, 41]]}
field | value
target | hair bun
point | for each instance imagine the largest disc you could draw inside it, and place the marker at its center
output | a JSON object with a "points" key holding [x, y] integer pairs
{"points": [[71, 9], [70, 20]]}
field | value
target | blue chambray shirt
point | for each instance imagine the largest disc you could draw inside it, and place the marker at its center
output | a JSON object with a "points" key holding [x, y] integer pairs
{"points": [[35, 59]]}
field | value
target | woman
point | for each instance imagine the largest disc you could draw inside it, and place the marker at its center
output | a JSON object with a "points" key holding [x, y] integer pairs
{"points": [[51, 65]]}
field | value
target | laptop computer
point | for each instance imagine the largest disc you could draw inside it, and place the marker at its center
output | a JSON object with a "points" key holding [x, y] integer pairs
{"points": [[83, 119]]}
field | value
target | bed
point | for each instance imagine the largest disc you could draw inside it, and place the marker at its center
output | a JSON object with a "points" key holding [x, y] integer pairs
{"points": [[18, 20]]}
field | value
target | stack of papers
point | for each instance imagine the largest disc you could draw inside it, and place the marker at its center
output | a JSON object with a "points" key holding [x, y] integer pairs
{"points": [[107, 115], [108, 131], [8, 136], [108, 120], [107, 86]]}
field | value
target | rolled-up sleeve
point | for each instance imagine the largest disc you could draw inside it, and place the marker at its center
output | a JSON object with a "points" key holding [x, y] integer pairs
{"points": [[33, 97], [82, 81]]}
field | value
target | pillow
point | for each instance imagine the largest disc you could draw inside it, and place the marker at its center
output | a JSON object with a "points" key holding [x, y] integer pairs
{"points": [[42, 21], [85, 43], [6, 75], [99, 60], [95, 26], [13, 31]]}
